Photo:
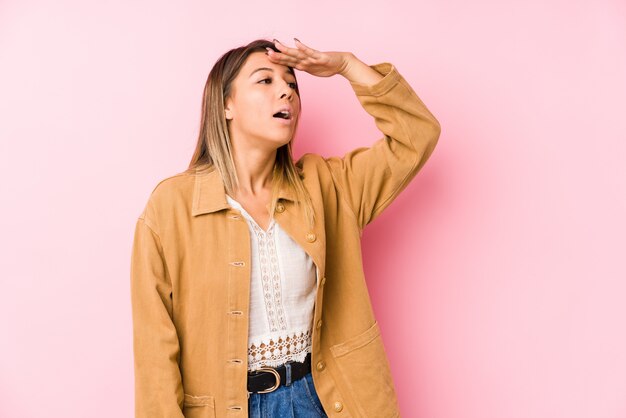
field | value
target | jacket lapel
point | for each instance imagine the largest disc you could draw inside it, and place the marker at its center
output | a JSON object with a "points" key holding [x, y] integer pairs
{"points": [[209, 195]]}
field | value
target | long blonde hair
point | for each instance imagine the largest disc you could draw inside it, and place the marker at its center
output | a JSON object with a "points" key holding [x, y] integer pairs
{"points": [[214, 145]]}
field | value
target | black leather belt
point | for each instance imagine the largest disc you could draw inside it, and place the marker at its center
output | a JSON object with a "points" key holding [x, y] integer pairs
{"points": [[268, 379]]}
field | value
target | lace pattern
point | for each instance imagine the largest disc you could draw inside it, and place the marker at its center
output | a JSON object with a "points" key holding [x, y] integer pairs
{"points": [[280, 330], [275, 351], [270, 277]]}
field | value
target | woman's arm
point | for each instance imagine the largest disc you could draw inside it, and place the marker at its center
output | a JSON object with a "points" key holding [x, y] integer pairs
{"points": [[158, 383], [356, 71], [372, 177]]}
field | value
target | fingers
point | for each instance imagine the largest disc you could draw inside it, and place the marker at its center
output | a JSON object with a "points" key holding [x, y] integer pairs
{"points": [[286, 60], [301, 51], [282, 58], [286, 50], [297, 57], [309, 51]]}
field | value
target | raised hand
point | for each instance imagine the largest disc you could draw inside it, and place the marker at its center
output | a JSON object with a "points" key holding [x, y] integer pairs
{"points": [[324, 64], [304, 58]]}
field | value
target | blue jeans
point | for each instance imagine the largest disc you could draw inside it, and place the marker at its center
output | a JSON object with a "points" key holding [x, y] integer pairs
{"points": [[297, 399]]}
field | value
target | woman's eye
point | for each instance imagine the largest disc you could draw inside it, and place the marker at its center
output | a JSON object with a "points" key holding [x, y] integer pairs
{"points": [[292, 85]]}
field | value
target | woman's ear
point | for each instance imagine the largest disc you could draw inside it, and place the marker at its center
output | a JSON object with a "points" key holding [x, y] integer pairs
{"points": [[228, 113]]}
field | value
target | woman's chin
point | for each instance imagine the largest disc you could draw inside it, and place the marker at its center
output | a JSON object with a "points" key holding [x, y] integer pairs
{"points": [[276, 142]]}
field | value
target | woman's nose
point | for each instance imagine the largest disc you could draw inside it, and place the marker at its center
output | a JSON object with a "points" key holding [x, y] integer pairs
{"points": [[287, 91]]}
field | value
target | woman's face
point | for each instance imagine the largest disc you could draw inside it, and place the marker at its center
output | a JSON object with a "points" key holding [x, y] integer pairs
{"points": [[261, 89]]}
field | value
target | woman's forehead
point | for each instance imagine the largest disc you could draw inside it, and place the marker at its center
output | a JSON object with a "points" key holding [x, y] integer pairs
{"points": [[258, 61]]}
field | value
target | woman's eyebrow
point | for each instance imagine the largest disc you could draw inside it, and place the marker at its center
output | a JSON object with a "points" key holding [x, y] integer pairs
{"points": [[289, 70]]}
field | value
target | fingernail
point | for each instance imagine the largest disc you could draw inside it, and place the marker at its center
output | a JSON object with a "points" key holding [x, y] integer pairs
{"points": [[297, 39], [276, 40]]}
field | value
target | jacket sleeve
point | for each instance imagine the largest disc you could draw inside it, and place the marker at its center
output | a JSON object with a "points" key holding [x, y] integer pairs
{"points": [[158, 384], [370, 178]]}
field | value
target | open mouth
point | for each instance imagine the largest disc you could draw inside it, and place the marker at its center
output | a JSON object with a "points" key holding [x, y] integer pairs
{"points": [[283, 115]]}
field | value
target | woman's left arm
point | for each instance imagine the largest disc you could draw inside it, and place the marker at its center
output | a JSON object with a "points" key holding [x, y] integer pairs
{"points": [[370, 178], [358, 72]]}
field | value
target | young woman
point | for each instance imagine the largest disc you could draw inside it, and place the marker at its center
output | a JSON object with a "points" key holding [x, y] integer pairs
{"points": [[247, 285]]}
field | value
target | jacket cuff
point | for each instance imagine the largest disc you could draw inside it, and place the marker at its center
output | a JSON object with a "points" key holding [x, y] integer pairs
{"points": [[390, 78]]}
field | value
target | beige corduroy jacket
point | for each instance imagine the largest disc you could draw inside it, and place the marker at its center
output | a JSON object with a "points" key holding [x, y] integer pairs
{"points": [[190, 273]]}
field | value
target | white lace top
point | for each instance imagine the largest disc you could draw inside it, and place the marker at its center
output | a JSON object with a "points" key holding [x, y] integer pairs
{"points": [[282, 296]]}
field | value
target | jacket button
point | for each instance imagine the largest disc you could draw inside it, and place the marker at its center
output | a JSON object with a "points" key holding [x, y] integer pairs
{"points": [[311, 237], [280, 207], [319, 323], [338, 406], [321, 365]]}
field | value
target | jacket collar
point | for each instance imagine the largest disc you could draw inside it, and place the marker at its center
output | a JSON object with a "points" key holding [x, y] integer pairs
{"points": [[209, 193]]}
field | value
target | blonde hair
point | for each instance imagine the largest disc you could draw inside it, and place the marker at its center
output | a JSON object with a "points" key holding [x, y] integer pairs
{"points": [[214, 146]]}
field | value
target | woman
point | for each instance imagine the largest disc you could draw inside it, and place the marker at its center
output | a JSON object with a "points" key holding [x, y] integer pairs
{"points": [[247, 285]]}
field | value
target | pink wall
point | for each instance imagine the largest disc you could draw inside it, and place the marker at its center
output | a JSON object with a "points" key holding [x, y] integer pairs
{"points": [[516, 224]]}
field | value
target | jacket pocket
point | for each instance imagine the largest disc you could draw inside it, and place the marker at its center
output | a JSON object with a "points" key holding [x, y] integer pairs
{"points": [[202, 406], [363, 363]]}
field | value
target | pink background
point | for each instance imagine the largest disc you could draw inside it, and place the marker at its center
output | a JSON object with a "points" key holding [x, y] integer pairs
{"points": [[515, 228]]}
